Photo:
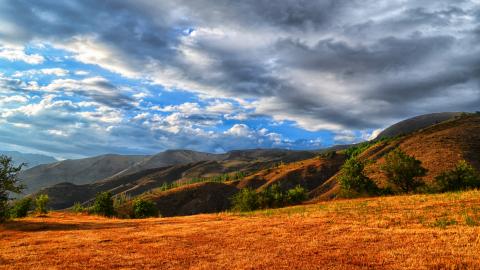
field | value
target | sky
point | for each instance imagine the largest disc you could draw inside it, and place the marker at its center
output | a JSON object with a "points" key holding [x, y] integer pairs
{"points": [[87, 77]]}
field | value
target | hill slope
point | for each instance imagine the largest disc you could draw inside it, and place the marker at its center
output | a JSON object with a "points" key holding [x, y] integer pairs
{"points": [[413, 124], [439, 147], [79, 171], [137, 182]]}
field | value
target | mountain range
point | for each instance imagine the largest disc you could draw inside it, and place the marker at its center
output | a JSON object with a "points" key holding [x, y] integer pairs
{"points": [[184, 182]]}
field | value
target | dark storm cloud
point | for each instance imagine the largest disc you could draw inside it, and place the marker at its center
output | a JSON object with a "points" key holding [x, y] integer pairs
{"points": [[373, 57]]}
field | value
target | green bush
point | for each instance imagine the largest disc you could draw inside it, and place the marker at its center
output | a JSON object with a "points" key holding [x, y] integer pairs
{"points": [[245, 200], [103, 204], [144, 208], [271, 197], [9, 183], [403, 171], [21, 207], [353, 179], [296, 195], [78, 208], [41, 204], [462, 177]]}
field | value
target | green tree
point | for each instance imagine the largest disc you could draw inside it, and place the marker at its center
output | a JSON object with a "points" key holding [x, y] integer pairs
{"points": [[21, 207], [103, 204], [271, 197], [403, 171], [462, 177], [9, 183], [41, 204], [353, 179], [245, 200], [144, 208], [296, 195]]}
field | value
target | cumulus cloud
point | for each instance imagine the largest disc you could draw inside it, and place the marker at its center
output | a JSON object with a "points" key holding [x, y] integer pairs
{"points": [[322, 65], [17, 53]]}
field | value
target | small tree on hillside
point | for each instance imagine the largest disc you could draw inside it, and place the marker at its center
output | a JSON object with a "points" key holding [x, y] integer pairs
{"points": [[21, 207], [403, 171], [245, 200], [462, 177], [353, 178], [41, 204], [9, 183], [103, 204]]}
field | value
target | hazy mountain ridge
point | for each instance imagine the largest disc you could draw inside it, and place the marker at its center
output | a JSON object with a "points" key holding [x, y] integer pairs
{"points": [[31, 160]]}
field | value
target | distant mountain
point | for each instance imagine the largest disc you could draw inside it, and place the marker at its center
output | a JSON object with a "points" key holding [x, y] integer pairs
{"points": [[137, 180], [416, 123], [31, 160], [170, 157], [77, 171]]}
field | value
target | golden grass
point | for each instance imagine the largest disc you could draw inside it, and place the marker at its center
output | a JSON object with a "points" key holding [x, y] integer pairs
{"points": [[407, 232]]}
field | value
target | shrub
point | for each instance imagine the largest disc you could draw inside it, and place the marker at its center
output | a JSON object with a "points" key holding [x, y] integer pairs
{"points": [[78, 208], [144, 208], [462, 177], [9, 183], [41, 204], [21, 207], [103, 204], [271, 197], [353, 179], [296, 195], [403, 171], [245, 200]]}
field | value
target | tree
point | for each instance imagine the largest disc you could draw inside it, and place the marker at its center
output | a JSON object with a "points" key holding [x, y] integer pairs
{"points": [[353, 179], [21, 207], [103, 204], [245, 200], [296, 195], [403, 171], [41, 204], [144, 208], [9, 183], [462, 177]]}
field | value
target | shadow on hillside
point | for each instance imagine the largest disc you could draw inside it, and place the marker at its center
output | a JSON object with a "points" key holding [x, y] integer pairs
{"points": [[31, 226]]}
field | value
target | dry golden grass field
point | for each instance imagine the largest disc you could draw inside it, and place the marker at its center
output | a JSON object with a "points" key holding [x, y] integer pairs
{"points": [[404, 232]]}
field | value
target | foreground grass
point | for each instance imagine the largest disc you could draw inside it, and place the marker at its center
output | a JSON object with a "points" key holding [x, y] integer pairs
{"points": [[413, 232]]}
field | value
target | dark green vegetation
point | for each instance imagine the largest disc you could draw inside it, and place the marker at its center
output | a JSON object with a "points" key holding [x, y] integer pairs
{"points": [[272, 197], [354, 181], [103, 204], [403, 171], [41, 204], [462, 177], [144, 208], [9, 183], [21, 207]]}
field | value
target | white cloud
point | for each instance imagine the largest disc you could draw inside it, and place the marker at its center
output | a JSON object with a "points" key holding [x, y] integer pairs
{"points": [[17, 53], [59, 72]]}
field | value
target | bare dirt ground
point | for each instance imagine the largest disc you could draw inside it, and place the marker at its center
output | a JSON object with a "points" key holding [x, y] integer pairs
{"points": [[404, 232]]}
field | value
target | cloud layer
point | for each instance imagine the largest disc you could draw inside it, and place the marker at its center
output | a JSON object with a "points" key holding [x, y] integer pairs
{"points": [[344, 67]]}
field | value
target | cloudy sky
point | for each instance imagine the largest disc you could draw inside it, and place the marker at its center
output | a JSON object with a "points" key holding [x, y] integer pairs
{"points": [[86, 77]]}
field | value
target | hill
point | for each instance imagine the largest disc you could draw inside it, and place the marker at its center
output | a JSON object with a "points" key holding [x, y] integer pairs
{"points": [[439, 147], [79, 171], [138, 181], [31, 160], [403, 232], [413, 124]]}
